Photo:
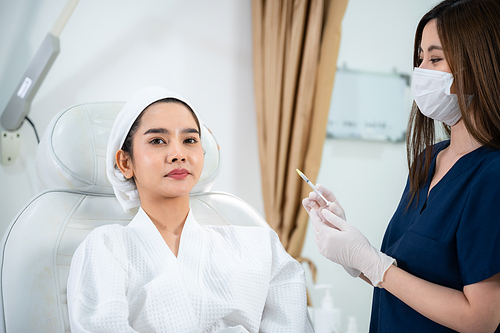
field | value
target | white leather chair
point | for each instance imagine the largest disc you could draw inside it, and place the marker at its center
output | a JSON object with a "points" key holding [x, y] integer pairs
{"points": [[38, 245]]}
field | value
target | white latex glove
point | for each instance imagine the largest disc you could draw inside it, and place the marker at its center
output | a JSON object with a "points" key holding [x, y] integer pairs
{"points": [[342, 243], [315, 202]]}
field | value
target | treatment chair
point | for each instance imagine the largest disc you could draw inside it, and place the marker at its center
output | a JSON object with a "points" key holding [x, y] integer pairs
{"points": [[37, 248]]}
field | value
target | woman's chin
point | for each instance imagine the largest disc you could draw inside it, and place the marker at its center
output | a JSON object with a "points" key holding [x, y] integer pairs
{"points": [[179, 193]]}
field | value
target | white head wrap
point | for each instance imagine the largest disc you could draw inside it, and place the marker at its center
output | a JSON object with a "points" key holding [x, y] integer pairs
{"points": [[125, 189]]}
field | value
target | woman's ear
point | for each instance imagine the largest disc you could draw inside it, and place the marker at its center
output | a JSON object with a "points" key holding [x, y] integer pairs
{"points": [[124, 163]]}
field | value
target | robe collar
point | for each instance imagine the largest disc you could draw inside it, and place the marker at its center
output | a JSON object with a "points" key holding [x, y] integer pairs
{"points": [[179, 275], [191, 235]]}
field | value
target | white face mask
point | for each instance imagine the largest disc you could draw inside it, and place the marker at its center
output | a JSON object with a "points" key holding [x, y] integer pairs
{"points": [[431, 92]]}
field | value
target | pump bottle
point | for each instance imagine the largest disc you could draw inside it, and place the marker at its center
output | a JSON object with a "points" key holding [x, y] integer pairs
{"points": [[326, 318], [352, 326]]}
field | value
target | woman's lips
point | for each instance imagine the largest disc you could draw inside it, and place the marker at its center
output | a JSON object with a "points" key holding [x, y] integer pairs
{"points": [[178, 174]]}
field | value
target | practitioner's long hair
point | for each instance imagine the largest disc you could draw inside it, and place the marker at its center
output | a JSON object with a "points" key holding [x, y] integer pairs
{"points": [[469, 31]]}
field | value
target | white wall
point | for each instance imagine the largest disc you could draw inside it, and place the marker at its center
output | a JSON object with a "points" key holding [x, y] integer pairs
{"points": [[367, 177], [200, 49]]}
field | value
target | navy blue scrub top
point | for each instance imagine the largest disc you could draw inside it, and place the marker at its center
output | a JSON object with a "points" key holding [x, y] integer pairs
{"points": [[451, 237]]}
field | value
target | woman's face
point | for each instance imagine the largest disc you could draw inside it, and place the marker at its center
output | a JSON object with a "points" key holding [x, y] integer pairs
{"points": [[167, 153], [431, 52]]}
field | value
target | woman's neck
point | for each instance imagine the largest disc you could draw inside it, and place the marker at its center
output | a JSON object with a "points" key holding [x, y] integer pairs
{"points": [[461, 142], [168, 214]]}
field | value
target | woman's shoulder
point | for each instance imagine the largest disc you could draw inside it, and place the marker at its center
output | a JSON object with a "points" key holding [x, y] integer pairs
{"points": [[489, 165], [250, 231], [106, 235], [491, 157], [108, 229], [104, 246], [243, 236]]}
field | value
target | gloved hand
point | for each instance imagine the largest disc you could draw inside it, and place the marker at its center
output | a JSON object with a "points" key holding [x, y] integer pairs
{"points": [[342, 243], [315, 202]]}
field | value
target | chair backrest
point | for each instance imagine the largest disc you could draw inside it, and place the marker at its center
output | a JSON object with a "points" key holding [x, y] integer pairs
{"points": [[39, 243]]}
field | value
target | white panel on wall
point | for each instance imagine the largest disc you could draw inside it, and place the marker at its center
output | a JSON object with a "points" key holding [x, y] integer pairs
{"points": [[369, 105]]}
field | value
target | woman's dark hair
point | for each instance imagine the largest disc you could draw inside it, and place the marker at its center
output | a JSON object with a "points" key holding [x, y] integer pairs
{"points": [[128, 143], [469, 31]]}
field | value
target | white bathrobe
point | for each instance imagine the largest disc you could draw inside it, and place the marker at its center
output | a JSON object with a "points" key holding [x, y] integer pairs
{"points": [[126, 279]]}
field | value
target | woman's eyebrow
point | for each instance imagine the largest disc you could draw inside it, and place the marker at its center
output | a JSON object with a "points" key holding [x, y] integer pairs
{"points": [[162, 130], [157, 130], [190, 130]]}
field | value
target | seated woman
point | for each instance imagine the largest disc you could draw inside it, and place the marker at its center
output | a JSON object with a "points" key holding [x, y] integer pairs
{"points": [[164, 272]]}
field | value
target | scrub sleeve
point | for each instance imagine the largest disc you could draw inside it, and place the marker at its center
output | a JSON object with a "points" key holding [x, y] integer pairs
{"points": [[450, 237]]}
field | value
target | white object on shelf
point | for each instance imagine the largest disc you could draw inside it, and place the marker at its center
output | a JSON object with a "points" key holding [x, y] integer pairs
{"points": [[352, 326], [326, 318]]}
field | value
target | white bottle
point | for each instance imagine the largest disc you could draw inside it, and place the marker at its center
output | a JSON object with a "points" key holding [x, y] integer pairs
{"points": [[352, 326], [326, 318]]}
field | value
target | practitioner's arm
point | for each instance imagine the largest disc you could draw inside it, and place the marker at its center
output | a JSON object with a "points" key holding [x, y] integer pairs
{"points": [[476, 309]]}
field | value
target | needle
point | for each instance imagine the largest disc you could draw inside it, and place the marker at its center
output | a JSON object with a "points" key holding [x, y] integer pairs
{"points": [[312, 186]]}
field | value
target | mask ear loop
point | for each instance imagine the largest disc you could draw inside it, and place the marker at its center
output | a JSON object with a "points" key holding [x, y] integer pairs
{"points": [[449, 83]]}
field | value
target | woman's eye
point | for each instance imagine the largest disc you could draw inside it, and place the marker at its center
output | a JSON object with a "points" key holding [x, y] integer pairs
{"points": [[156, 141], [191, 140], [435, 60]]}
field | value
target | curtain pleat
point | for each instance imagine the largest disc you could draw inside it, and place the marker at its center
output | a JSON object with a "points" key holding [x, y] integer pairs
{"points": [[295, 47]]}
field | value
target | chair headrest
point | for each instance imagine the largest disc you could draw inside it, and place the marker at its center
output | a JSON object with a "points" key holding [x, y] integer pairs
{"points": [[72, 152]]}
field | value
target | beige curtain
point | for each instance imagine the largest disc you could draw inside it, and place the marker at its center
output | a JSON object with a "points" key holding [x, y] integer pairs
{"points": [[295, 47]]}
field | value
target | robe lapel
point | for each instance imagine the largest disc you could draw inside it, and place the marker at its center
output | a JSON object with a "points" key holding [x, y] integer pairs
{"points": [[189, 259], [169, 282]]}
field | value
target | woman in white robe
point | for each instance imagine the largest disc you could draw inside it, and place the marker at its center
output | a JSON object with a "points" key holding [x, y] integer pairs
{"points": [[164, 272]]}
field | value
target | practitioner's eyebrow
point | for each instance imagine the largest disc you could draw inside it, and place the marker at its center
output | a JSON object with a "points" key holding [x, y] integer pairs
{"points": [[434, 47], [430, 48]]}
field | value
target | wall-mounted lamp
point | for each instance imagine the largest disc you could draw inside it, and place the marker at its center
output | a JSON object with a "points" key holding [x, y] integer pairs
{"points": [[19, 104]]}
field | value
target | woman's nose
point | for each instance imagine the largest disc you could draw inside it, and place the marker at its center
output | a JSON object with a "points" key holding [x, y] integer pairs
{"points": [[176, 153]]}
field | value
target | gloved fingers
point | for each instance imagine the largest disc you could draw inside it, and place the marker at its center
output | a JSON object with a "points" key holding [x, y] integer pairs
{"points": [[331, 197], [311, 204], [324, 235], [326, 192], [335, 220], [337, 210], [317, 199], [320, 224], [317, 220], [307, 204]]}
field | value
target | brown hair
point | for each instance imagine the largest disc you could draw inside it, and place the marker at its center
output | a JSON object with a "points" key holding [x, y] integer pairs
{"points": [[469, 31]]}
